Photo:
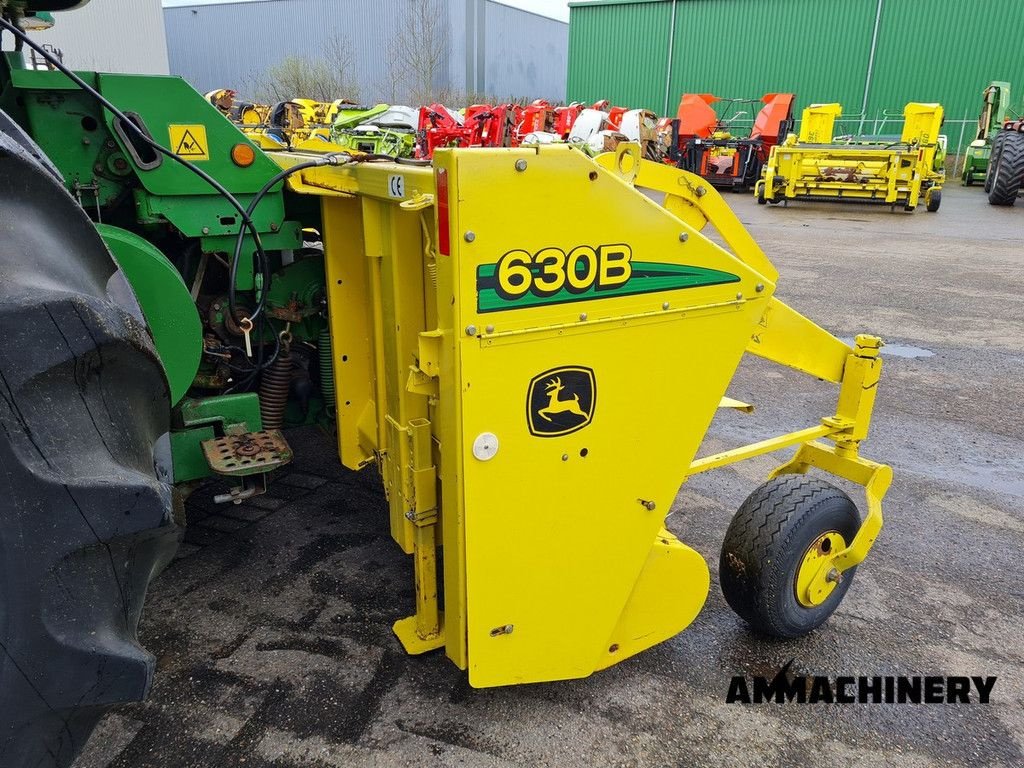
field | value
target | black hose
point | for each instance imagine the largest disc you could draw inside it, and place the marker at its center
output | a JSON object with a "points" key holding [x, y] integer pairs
{"points": [[245, 213], [240, 239], [129, 124]]}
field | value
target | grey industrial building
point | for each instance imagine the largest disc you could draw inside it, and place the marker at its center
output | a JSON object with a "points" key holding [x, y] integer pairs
{"points": [[94, 37], [490, 49]]}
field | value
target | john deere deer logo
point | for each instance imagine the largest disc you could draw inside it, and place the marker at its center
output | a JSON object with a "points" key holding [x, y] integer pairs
{"points": [[560, 401], [555, 406]]}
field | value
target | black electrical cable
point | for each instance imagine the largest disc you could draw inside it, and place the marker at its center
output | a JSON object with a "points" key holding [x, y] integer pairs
{"points": [[246, 213], [257, 314], [246, 216], [412, 161], [240, 239], [127, 123]]}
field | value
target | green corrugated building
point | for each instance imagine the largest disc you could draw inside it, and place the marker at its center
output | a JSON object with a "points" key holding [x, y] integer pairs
{"points": [[872, 56]]}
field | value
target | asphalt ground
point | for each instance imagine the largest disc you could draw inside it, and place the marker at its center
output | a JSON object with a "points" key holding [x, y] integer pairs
{"points": [[272, 629]]}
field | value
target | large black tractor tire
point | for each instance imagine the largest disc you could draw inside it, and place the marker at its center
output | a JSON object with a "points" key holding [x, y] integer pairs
{"points": [[1008, 173], [85, 521], [993, 158], [765, 544]]}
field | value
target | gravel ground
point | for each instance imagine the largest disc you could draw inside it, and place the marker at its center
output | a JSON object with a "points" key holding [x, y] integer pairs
{"points": [[272, 629]]}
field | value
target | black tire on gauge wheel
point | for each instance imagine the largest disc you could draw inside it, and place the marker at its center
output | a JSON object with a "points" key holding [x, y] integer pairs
{"points": [[934, 201], [1008, 171], [767, 541], [85, 521]]}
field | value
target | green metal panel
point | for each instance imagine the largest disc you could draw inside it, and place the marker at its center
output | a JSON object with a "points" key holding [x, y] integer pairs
{"points": [[205, 418], [927, 50], [618, 52], [746, 48], [80, 138], [735, 48], [166, 302], [946, 51]]}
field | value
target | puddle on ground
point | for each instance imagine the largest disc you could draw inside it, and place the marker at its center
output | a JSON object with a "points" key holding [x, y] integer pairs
{"points": [[905, 350], [901, 350]]}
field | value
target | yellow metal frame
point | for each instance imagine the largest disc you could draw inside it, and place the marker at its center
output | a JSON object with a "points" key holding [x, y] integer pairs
{"points": [[820, 548], [557, 562], [813, 167], [846, 429]]}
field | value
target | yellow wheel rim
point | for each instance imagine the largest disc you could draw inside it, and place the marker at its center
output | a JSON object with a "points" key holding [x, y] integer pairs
{"points": [[820, 550]]}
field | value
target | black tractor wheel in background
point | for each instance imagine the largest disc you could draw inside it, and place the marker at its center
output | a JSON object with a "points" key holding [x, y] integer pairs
{"points": [[1008, 173], [934, 201], [993, 158], [766, 543], [85, 521]]}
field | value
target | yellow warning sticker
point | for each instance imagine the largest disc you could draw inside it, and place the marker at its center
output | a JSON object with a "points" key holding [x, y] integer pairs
{"points": [[189, 142]]}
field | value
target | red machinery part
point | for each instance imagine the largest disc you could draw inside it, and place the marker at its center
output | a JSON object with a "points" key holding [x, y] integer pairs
{"points": [[439, 127], [565, 117], [775, 117], [491, 126], [537, 116], [696, 116], [615, 117]]}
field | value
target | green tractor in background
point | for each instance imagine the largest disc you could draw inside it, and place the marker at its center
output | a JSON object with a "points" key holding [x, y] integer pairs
{"points": [[994, 110], [162, 320], [1004, 181]]}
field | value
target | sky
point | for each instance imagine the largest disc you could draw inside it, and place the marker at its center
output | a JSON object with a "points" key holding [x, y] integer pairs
{"points": [[556, 9]]}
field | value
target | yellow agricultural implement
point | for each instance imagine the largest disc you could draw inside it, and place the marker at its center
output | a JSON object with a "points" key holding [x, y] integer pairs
{"points": [[297, 123], [528, 343], [815, 166], [534, 387]]}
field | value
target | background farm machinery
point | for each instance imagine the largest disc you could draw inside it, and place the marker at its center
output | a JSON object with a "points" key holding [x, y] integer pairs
{"points": [[295, 123], [416, 133], [178, 295], [701, 139], [392, 132], [897, 171], [995, 111], [1004, 181], [997, 152], [594, 129]]}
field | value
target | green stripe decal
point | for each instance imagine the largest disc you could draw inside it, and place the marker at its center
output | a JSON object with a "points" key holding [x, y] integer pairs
{"points": [[647, 277]]}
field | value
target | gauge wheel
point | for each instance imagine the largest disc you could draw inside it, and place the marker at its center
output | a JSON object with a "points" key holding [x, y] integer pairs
{"points": [[776, 543]]}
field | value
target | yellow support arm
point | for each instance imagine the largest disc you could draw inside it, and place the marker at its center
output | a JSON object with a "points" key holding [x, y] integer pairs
{"points": [[791, 339], [786, 337], [875, 478]]}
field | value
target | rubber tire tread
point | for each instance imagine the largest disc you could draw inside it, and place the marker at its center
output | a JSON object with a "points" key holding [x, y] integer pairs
{"points": [[993, 158], [766, 541], [86, 521], [1008, 176]]}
